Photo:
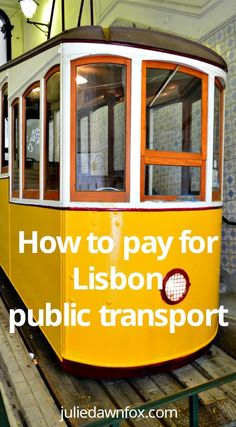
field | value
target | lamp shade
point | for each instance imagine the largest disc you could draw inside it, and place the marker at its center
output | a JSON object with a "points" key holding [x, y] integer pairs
{"points": [[28, 7]]}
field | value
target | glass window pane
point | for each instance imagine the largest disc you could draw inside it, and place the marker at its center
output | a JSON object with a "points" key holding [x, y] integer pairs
{"points": [[182, 181], [196, 125], [173, 109], [15, 149], [5, 127], [52, 132], [32, 139], [216, 142], [100, 127]]}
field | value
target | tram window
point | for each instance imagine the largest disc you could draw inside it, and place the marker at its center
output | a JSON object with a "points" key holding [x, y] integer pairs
{"points": [[173, 132], [217, 162], [172, 116], [52, 134], [31, 141], [101, 147], [15, 149], [182, 181], [4, 165]]}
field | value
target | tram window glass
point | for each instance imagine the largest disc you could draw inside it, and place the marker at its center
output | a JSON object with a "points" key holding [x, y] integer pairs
{"points": [[179, 181], [15, 149], [52, 134], [101, 129], [216, 172], [173, 132], [4, 165], [31, 138], [173, 102]]}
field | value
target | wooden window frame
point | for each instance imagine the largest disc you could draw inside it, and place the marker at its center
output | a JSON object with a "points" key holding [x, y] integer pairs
{"points": [[172, 158], [99, 196], [49, 194], [217, 195], [4, 169], [28, 193], [14, 193]]}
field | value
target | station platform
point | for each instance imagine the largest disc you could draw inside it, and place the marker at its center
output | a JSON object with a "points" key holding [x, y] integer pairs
{"points": [[24, 399]]}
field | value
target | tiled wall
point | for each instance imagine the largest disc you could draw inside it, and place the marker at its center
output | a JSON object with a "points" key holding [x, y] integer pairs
{"points": [[94, 152], [167, 136], [223, 41]]}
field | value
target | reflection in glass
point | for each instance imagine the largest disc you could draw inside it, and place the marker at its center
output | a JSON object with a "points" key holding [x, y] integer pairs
{"points": [[172, 181], [100, 127], [52, 146], [5, 128], [173, 104], [32, 139], [15, 147]]}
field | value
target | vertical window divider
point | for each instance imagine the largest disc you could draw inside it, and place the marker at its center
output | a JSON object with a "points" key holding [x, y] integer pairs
{"points": [[135, 132], [42, 138], [65, 131], [205, 121]]}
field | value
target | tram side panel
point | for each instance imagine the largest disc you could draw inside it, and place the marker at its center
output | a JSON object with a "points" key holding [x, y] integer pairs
{"points": [[85, 344], [37, 276], [4, 226]]}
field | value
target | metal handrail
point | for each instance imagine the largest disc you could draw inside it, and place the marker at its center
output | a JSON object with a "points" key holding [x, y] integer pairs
{"points": [[191, 393]]}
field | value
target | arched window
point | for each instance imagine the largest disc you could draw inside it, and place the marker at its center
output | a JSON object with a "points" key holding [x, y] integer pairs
{"points": [[217, 142], [52, 134], [5, 38], [31, 141], [100, 129], [15, 149], [4, 136]]}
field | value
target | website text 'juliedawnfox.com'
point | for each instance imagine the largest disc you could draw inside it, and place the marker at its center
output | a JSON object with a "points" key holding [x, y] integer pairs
{"points": [[76, 412]]}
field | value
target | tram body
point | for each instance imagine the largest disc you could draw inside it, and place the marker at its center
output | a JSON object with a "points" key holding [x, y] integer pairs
{"points": [[118, 136]]}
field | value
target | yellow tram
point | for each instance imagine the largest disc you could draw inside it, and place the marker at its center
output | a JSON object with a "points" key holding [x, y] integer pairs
{"points": [[114, 139]]}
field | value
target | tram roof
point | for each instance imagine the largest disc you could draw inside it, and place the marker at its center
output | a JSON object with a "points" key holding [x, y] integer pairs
{"points": [[128, 36]]}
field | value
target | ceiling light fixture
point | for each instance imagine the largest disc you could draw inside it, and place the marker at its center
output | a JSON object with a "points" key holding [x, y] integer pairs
{"points": [[28, 8]]}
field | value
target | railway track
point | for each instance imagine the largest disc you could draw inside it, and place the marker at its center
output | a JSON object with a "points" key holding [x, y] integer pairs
{"points": [[217, 406]]}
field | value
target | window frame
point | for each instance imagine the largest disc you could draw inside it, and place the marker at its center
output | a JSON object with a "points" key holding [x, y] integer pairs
{"points": [[4, 169], [49, 194], [100, 196], [14, 193], [28, 193], [217, 195], [172, 158], [7, 33]]}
